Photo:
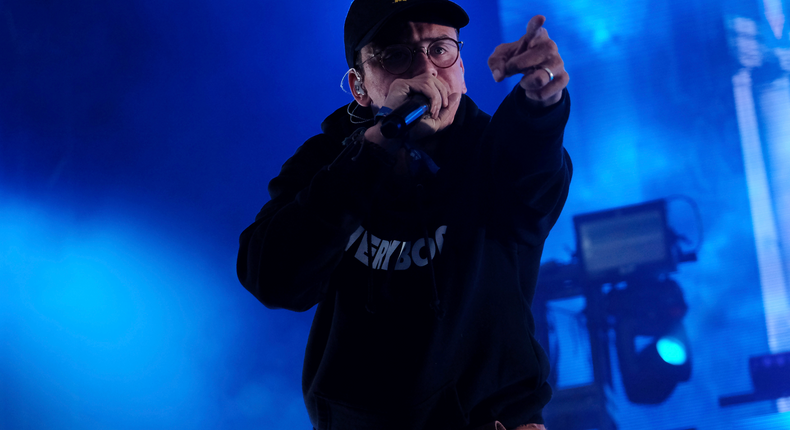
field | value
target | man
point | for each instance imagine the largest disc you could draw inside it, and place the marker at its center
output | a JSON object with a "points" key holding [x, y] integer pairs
{"points": [[421, 251]]}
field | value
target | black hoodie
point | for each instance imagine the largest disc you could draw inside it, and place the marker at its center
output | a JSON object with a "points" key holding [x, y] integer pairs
{"points": [[423, 286]]}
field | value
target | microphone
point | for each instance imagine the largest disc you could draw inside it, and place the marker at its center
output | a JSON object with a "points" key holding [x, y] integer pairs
{"points": [[406, 116]]}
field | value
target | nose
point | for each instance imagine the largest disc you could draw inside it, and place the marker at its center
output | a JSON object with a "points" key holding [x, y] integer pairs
{"points": [[421, 63]]}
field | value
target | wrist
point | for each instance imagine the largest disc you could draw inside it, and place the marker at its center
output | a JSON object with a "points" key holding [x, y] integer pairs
{"points": [[384, 111], [537, 104], [373, 135]]}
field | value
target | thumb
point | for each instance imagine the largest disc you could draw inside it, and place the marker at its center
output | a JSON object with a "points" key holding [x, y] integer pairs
{"points": [[452, 106]]}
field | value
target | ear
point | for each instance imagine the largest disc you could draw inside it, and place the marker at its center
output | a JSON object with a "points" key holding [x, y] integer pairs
{"points": [[461, 61], [354, 81]]}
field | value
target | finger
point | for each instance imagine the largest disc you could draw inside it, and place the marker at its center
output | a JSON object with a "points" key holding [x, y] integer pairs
{"points": [[523, 45], [444, 94], [540, 78], [541, 37], [545, 55], [550, 92], [534, 24], [429, 126], [497, 60], [503, 53], [526, 43], [437, 99], [445, 91], [448, 114], [429, 90], [436, 91], [399, 92]]}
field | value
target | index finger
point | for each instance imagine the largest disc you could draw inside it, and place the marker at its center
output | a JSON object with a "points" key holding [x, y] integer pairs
{"points": [[534, 24], [504, 52]]}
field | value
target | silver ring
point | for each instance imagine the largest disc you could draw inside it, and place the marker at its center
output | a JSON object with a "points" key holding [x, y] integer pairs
{"points": [[551, 75]]}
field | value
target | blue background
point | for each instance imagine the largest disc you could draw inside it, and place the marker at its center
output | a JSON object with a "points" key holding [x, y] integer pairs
{"points": [[137, 139]]}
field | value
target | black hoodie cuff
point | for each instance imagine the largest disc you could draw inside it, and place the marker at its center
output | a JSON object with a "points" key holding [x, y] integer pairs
{"points": [[539, 118]]}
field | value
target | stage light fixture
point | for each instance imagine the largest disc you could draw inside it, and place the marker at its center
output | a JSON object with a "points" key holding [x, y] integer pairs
{"points": [[632, 250], [650, 312]]}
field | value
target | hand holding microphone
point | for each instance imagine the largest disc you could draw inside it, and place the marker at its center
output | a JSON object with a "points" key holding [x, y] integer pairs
{"points": [[421, 107], [398, 122]]}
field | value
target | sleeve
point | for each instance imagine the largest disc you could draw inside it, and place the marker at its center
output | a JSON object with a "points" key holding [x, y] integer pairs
{"points": [[530, 170], [297, 240]]}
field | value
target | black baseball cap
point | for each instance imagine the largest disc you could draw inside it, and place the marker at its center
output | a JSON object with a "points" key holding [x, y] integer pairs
{"points": [[366, 17]]}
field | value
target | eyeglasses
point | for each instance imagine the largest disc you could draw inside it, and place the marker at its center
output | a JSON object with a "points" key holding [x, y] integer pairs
{"points": [[397, 59]]}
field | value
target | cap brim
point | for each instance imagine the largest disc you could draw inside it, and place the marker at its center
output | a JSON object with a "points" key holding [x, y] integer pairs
{"points": [[450, 12]]}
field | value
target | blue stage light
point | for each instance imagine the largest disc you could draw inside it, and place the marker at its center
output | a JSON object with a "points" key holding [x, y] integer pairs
{"points": [[672, 350]]}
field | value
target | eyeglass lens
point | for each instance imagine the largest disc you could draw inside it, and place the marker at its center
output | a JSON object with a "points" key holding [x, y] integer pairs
{"points": [[397, 59]]}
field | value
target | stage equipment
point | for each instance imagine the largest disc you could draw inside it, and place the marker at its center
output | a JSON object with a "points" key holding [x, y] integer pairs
{"points": [[652, 346], [632, 249], [581, 404], [621, 270], [771, 374], [770, 377], [615, 243]]}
